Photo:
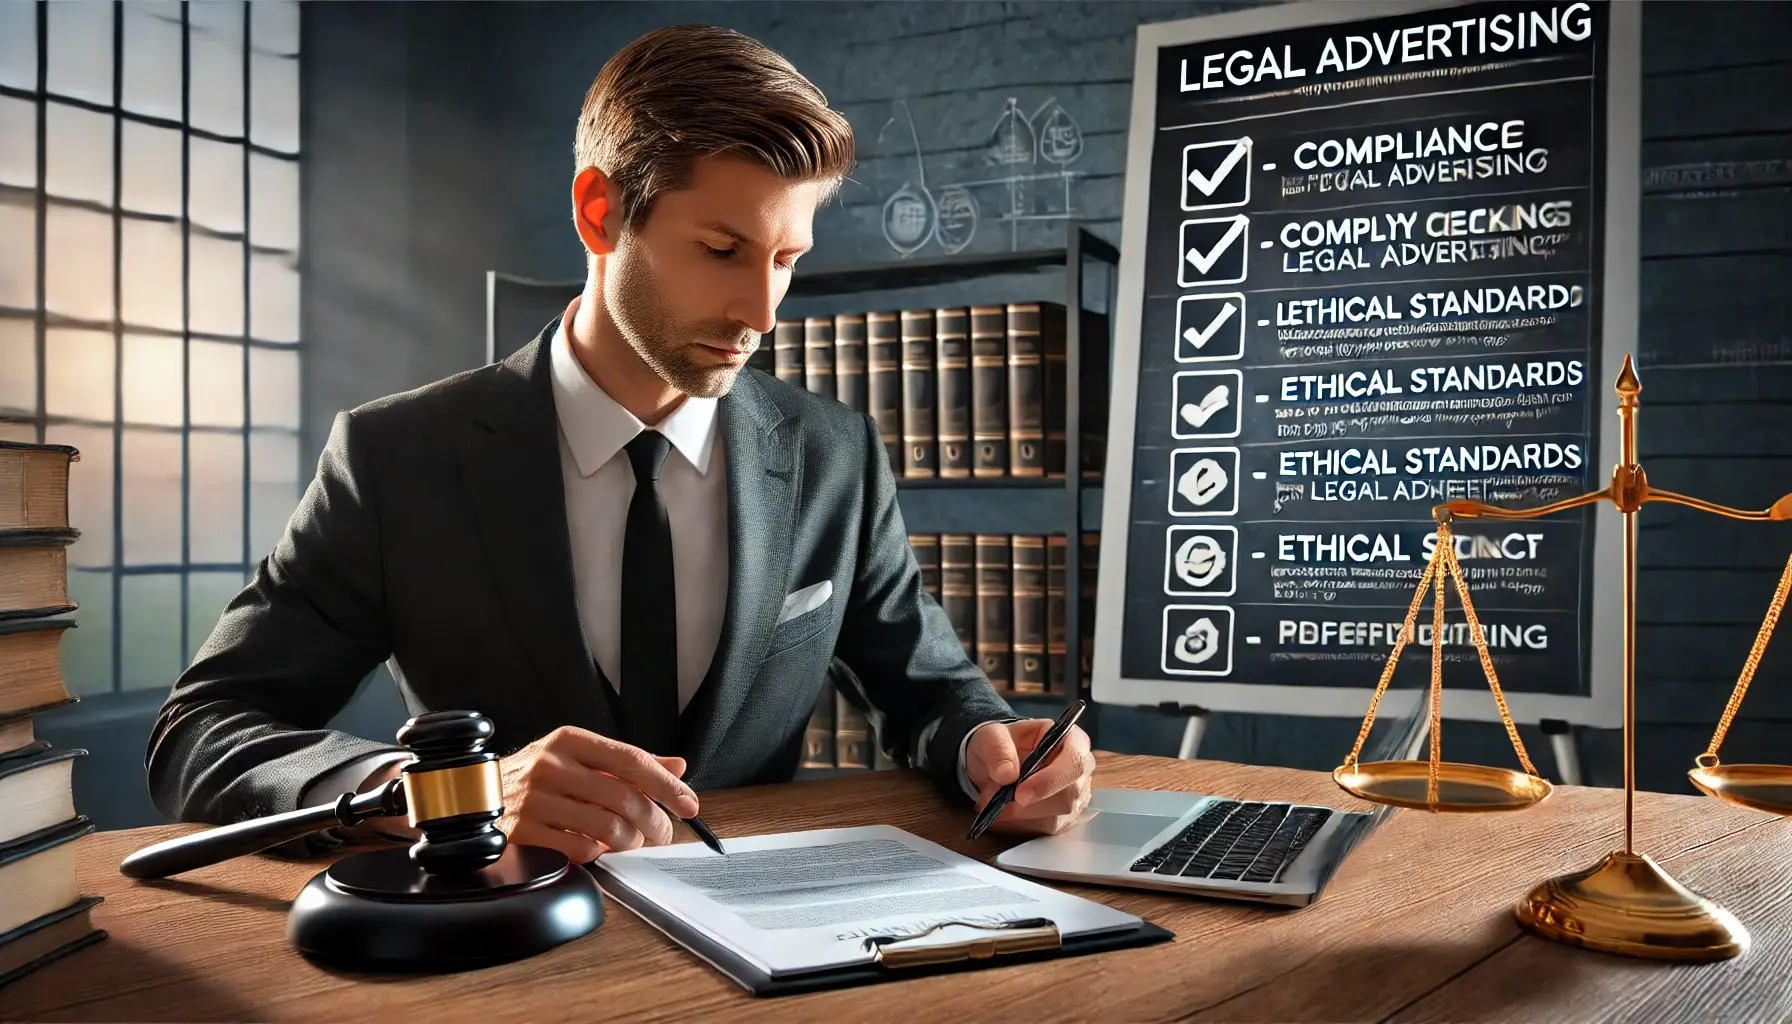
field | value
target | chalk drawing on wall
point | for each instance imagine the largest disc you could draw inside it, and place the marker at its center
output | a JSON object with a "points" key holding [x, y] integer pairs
{"points": [[1025, 175]]}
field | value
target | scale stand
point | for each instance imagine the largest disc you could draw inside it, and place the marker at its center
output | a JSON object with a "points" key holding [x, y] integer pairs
{"points": [[1624, 903]]}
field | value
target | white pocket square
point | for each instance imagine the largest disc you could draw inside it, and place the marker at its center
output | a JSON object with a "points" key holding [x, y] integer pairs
{"points": [[806, 600]]}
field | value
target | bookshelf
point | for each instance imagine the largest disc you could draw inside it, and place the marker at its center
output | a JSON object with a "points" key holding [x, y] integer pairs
{"points": [[1067, 504]]}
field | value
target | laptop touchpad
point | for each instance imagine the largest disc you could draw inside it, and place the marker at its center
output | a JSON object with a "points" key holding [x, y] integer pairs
{"points": [[1113, 829]]}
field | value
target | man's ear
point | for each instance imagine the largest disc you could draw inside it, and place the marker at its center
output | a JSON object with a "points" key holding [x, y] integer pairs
{"points": [[596, 214]]}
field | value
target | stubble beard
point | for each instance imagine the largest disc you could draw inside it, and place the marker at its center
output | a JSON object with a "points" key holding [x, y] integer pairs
{"points": [[667, 345]]}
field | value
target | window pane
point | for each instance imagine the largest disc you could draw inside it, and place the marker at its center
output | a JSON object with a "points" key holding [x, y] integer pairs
{"points": [[216, 279], [18, 139], [216, 199], [274, 102], [152, 379], [275, 314], [78, 154], [151, 267], [215, 383], [273, 491], [18, 45], [18, 365], [207, 595], [152, 58], [216, 51], [78, 378], [78, 263], [151, 500], [274, 388], [81, 51], [215, 497], [87, 649], [18, 257], [274, 27], [151, 169], [273, 202], [149, 631], [89, 493]]}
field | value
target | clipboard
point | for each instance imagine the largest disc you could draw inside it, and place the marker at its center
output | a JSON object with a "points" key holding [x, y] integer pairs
{"points": [[1019, 942]]}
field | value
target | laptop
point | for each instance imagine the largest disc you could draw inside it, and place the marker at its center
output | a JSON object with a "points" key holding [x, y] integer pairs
{"points": [[1264, 851]]}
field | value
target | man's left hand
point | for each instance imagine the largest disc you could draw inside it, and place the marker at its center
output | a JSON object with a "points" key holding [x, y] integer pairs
{"points": [[1055, 794]]}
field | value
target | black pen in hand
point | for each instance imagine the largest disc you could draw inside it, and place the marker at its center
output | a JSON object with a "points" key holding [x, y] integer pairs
{"points": [[1035, 760], [702, 830]]}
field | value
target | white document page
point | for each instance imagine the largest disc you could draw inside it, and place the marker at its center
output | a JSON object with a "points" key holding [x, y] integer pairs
{"points": [[797, 901]]}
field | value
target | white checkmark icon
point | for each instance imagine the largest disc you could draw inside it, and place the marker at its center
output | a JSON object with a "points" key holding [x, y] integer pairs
{"points": [[1200, 338], [1210, 405], [1207, 184], [1204, 261]]}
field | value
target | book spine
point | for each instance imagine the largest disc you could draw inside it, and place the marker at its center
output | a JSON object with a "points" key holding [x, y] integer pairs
{"points": [[926, 547], [849, 361], [1028, 554], [884, 382], [995, 610], [1026, 391], [818, 356], [818, 738], [1054, 342], [787, 352], [958, 587], [1057, 547], [989, 391], [852, 734], [918, 429], [953, 354], [1086, 611]]}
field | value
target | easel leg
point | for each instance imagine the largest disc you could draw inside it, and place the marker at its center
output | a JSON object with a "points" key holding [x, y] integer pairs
{"points": [[1561, 741], [1191, 734]]}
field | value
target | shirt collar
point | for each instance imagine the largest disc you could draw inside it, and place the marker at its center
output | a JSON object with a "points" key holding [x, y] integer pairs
{"points": [[596, 427]]}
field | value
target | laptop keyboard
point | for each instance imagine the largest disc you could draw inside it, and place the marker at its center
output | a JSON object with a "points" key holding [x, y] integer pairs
{"points": [[1237, 841]]}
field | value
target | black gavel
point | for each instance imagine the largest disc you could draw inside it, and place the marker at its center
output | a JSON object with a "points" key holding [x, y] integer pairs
{"points": [[451, 793], [461, 896]]}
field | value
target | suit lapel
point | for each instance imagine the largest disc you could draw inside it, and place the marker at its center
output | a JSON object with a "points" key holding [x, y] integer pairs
{"points": [[764, 472], [512, 465]]}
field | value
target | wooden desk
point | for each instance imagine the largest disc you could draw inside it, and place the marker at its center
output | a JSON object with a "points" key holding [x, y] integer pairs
{"points": [[1417, 926]]}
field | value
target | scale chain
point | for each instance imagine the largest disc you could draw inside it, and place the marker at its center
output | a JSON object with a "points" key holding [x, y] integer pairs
{"points": [[1480, 640], [1709, 758], [1387, 673], [1448, 545]]}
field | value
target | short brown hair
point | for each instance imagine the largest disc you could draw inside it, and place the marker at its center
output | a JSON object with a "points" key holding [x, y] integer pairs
{"points": [[679, 94]]}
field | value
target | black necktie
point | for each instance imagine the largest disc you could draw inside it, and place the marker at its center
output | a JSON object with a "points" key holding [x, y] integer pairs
{"points": [[649, 612]]}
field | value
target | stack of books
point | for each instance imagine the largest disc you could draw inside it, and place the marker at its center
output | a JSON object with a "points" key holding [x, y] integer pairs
{"points": [[43, 915], [971, 392], [1005, 596]]}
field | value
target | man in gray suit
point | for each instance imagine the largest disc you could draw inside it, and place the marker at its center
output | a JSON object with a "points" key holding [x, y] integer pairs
{"points": [[637, 556]]}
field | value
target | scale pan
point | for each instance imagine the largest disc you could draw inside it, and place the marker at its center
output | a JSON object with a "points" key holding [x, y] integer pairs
{"points": [[1760, 787], [1461, 788]]}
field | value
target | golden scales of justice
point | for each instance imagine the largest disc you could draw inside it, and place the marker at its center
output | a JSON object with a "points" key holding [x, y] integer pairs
{"points": [[1625, 903]]}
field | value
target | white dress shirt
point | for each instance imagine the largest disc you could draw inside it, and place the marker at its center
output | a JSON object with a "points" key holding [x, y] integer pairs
{"points": [[599, 483]]}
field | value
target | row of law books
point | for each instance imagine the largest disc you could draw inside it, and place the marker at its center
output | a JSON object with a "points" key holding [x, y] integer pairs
{"points": [[957, 393], [43, 915], [1005, 597]]}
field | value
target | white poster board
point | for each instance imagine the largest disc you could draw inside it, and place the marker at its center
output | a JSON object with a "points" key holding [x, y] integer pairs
{"points": [[1376, 256]]}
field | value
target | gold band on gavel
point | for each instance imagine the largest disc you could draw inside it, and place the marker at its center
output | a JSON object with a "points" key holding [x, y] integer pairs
{"points": [[446, 792]]}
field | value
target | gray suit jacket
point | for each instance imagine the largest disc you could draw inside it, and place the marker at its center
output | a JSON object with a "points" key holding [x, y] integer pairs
{"points": [[434, 537]]}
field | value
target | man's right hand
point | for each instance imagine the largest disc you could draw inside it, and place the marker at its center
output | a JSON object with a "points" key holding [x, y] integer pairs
{"points": [[585, 794]]}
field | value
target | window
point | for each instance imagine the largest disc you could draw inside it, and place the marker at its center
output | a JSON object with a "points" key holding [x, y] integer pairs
{"points": [[149, 304]]}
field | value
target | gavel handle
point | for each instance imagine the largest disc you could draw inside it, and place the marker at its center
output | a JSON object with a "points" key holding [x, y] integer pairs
{"points": [[246, 837]]}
